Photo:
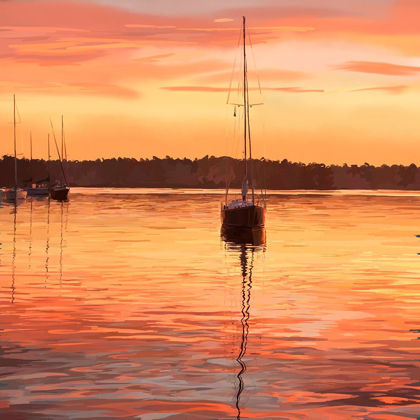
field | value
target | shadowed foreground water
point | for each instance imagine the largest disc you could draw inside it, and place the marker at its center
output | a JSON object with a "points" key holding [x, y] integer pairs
{"points": [[130, 305]]}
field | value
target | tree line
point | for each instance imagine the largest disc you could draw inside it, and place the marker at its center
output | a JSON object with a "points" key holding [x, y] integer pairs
{"points": [[212, 172]]}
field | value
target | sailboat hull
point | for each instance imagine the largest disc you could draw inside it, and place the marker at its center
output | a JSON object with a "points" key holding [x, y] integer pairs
{"points": [[244, 217], [38, 192], [13, 194], [60, 193]]}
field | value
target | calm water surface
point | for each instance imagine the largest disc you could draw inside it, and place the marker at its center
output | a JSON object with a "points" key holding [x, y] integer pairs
{"points": [[128, 304]]}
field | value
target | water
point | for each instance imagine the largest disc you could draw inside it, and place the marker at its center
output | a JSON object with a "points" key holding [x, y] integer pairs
{"points": [[127, 304]]}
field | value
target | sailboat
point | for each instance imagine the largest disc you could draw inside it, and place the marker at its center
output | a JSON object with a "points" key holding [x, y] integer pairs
{"points": [[244, 212], [15, 193], [60, 191], [40, 188]]}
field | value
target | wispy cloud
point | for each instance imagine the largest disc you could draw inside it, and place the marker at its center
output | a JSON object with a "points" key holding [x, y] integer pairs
{"points": [[204, 29], [223, 89], [266, 75], [153, 58], [296, 90], [70, 88], [223, 20], [387, 69], [384, 89]]}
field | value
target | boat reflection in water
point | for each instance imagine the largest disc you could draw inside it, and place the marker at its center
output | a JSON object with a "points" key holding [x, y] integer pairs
{"points": [[243, 236], [14, 252], [244, 242]]}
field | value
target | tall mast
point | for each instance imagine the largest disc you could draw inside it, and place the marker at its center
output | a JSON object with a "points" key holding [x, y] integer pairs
{"points": [[49, 160], [62, 137], [245, 100], [30, 137], [14, 138], [247, 129]]}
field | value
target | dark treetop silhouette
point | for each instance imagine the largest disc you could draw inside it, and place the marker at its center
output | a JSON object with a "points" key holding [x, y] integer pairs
{"points": [[210, 172]]}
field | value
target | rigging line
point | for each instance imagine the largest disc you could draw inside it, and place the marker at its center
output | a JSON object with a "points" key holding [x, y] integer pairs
{"points": [[65, 153], [226, 159], [259, 87], [238, 140], [239, 91], [265, 162], [20, 132], [234, 143], [255, 63], [250, 153], [58, 152], [18, 114], [65, 145], [234, 65], [258, 182]]}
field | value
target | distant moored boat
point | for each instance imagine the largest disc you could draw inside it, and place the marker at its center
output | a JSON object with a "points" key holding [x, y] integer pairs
{"points": [[15, 192], [60, 190], [40, 188]]}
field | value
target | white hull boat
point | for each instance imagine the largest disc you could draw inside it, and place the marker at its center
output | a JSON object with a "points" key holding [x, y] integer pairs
{"points": [[12, 194]]}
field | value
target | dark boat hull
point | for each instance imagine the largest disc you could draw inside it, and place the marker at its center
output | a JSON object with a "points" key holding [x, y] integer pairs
{"points": [[38, 192], [244, 217], [59, 194]]}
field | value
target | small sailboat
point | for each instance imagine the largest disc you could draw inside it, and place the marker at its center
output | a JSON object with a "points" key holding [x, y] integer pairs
{"points": [[60, 191], [244, 212], [15, 192], [40, 188]]}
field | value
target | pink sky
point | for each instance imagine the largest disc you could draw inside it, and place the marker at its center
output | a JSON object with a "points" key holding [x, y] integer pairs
{"points": [[137, 79]]}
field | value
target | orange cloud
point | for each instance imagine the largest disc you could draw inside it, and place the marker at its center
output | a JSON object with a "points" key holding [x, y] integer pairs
{"points": [[276, 75], [222, 89], [385, 89], [82, 88], [295, 90], [195, 89], [222, 20], [387, 69], [153, 58]]}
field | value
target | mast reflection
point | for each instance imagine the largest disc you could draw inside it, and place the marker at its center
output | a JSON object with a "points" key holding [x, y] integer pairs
{"points": [[14, 251], [30, 235], [61, 241], [47, 247], [246, 304], [245, 242]]}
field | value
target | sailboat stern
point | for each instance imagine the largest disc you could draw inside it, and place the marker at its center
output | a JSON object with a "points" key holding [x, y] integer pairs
{"points": [[12, 194], [245, 216], [59, 193]]}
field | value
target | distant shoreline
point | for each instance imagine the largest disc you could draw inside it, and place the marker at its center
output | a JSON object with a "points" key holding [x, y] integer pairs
{"points": [[211, 172]]}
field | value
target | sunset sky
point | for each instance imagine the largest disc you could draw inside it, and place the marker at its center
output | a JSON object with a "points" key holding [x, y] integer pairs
{"points": [[137, 78]]}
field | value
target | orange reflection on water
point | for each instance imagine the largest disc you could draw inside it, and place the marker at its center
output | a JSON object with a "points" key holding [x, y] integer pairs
{"points": [[134, 306]]}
